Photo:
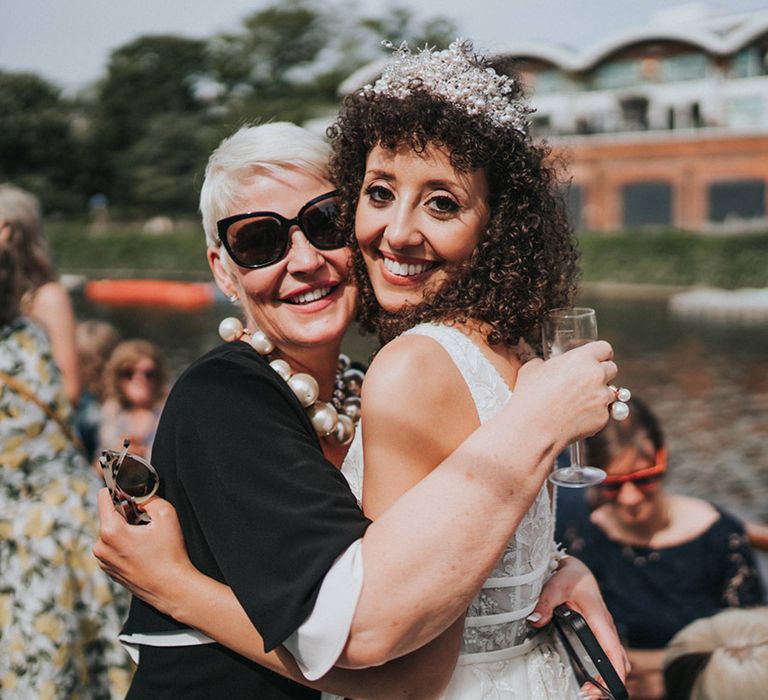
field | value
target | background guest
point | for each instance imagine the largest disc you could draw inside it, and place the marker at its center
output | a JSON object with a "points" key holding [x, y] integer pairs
{"points": [[44, 298], [58, 623], [723, 657], [136, 381], [95, 340], [662, 560]]}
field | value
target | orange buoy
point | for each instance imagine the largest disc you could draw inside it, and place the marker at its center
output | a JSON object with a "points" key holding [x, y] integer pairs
{"points": [[147, 292]]}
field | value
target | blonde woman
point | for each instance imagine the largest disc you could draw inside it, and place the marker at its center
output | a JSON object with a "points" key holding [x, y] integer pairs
{"points": [[44, 298], [136, 381], [58, 620]]}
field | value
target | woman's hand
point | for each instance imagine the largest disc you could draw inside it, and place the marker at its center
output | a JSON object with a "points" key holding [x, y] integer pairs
{"points": [[149, 560], [646, 681], [569, 393], [575, 586]]}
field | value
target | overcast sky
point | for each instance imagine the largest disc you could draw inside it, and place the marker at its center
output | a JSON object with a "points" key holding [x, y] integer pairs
{"points": [[69, 41]]}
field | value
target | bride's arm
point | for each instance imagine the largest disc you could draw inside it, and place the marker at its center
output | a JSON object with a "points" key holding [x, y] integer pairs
{"points": [[427, 555], [402, 446], [417, 411]]}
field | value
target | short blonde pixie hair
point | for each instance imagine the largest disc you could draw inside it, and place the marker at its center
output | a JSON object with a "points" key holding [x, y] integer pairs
{"points": [[254, 150]]}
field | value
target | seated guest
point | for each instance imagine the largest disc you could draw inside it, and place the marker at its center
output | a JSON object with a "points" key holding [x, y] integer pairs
{"points": [[723, 657], [662, 560], [136, 381]]}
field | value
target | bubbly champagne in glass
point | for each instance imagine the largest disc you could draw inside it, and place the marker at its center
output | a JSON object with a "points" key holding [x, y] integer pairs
{"points": [[563, 330]]}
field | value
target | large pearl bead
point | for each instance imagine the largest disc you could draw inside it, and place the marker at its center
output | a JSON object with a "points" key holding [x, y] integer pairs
{"points": [[344, 362], [230, 329], [619, 410], [305, 387], [344, 430], [261, 344], [353, 380], [351, 407], [282, 368], [323, 417], [623, 394]]}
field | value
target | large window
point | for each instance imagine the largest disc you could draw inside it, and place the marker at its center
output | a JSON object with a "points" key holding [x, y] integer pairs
{"points": [[647, 204], [574, 203], [550, 80], [618, 74], [748, 63], [737, 199], [689, 66]]}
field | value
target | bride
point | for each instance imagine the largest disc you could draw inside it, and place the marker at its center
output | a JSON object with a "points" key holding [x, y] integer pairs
{"points": [[461, 249]]}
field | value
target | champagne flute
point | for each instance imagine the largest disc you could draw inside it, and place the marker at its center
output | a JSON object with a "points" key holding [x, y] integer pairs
{"points": [[563, 330]]}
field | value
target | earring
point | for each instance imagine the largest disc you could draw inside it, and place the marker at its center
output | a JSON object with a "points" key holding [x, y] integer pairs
{"points": [[232, 298]]}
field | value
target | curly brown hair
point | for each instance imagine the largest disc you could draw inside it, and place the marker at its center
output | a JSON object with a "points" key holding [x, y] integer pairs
{"points": [[525, 262]]}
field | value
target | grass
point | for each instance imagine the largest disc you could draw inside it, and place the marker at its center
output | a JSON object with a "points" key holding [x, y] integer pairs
{"points": [[123, 250], [664, 258], [676, 258]]}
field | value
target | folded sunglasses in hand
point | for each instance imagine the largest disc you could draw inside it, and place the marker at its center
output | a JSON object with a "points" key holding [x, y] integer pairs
{"points": [[131, 481]]}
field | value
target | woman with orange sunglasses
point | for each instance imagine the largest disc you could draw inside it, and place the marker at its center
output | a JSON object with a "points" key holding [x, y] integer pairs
{"points": [[662, 560]]}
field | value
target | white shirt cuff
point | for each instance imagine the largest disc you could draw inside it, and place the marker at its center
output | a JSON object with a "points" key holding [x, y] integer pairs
{"points": [[317, 644], [182, 638]]}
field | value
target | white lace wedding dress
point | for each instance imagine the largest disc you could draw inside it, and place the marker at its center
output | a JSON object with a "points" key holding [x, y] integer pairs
{"points": [[499, 658]]}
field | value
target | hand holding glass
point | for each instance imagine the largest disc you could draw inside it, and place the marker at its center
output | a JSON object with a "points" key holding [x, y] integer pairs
{"points": [[563, 330]]}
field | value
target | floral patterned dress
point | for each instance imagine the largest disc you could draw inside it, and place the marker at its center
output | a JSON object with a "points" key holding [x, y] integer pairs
{"points": [[59, 617]]}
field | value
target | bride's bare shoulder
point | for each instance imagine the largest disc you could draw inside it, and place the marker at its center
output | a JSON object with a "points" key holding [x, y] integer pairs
{"points": [[414, 366]]}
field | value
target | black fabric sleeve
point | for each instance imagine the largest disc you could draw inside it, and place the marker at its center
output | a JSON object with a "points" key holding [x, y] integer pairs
{"points": [[274, 512]]}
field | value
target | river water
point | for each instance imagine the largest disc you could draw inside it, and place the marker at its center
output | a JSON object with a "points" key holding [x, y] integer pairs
{"points": [[708, 382]]}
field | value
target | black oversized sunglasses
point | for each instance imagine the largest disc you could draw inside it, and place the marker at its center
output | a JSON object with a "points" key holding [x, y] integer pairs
{"points": [[261, 238]]}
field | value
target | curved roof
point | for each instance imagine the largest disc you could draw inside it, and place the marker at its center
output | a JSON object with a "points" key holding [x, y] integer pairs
{"points": [[693, 37], [746, 34], [712, 36], [558, 56]]}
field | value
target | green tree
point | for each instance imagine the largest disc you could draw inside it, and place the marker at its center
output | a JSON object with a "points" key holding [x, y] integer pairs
{"points": [[290, 57], [271, 48], [162, 171], [151, 80], [149, 76], [400, 24], [38, 148]]}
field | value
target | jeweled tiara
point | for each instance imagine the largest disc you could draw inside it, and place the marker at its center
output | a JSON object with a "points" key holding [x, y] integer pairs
{"points": [[458, 75]]}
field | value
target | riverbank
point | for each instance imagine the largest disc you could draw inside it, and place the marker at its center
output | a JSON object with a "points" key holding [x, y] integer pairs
{"points": [[637, 262]]}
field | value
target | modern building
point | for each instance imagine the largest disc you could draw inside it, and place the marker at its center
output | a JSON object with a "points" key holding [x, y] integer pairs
{"points": [[662, 126]]}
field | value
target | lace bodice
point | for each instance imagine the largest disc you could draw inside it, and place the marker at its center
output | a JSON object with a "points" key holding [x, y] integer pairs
{"points": [[496, 618]]}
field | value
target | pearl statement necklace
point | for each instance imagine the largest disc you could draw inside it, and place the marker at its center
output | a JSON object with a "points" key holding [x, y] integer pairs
{"points": [[335, 420]]}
